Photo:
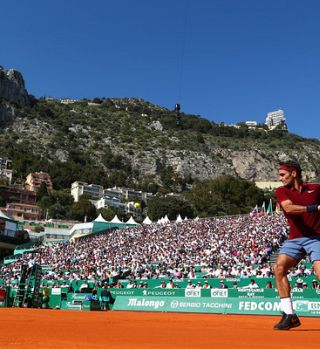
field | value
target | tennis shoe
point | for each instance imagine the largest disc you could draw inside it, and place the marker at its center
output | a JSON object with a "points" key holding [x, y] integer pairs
{"points": [[288, 321]]}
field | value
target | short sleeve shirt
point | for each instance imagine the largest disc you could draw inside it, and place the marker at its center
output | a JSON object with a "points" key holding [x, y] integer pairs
{"points": [[307, 223]]}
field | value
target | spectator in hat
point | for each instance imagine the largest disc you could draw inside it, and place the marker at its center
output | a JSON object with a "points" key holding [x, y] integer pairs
{"points": [[170, 284], [299, 283], [162, 285], [222, 284], [198, 285], [130, 284], [189, 284], [145, 285], [206, 284]]}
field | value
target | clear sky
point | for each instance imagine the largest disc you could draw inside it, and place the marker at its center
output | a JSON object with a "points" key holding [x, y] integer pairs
{"points": [[225, 60]]}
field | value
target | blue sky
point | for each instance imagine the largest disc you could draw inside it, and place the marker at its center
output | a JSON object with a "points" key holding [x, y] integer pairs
{"points": [[225, 60]]}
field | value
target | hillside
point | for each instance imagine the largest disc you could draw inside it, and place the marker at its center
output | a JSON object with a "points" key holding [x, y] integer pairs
{"points": [[133, 142]]}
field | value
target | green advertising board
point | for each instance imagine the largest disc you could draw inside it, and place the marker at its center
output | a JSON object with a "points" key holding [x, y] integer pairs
{"points": [[214, 305], [213, 292], [67, 305]]}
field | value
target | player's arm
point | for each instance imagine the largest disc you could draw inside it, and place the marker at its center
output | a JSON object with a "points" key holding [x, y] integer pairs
{"points": [[291, 208]]}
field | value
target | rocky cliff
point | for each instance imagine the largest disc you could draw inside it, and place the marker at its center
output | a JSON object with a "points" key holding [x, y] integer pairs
{"points": [[112, 141], [13, 94], [12, 87]]}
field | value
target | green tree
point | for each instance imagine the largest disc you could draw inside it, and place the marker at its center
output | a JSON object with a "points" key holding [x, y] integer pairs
{"points": [[107, 213], [57, 203], [225, 195], [83, 209], [63, 197], [170, 206], [57, 211], [38, 228], [45, 202], [42, 191]]}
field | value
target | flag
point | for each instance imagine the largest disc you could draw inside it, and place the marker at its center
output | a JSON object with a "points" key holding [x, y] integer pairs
{"points": [[255, 211], [269, 209], [263, 209]]}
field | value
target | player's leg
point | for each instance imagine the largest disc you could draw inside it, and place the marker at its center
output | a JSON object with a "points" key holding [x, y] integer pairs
{"points": [[312, 247], [289, 257], [316, 269], [281, 268]]}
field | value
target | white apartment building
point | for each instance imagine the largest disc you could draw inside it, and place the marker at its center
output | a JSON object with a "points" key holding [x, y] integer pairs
{"points": [[108, 201], [126, 194], [111, 197], [251, 124], [275, 119], [68, 101], [79, 188], [5, 170]]}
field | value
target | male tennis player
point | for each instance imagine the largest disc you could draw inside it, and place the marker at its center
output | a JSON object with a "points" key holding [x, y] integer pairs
{"points": [[300, 202]]}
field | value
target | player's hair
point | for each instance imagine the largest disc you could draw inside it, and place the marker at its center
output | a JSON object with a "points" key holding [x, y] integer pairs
{"points": [[294, 165]]}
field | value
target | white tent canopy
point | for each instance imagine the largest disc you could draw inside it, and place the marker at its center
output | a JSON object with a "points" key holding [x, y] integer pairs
{"points": [[115, 219], [179, 219], [147, 220], [166, 219], [132, 221], [161, 221], [100, 219]]}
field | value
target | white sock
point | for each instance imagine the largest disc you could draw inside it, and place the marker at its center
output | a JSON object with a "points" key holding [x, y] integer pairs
{"points": [[286, 305]]}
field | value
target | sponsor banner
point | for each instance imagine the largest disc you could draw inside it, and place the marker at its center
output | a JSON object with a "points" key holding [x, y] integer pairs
{"points": [[75, 306], [213, 292], [216, 305], [253, 293], [305, 294], [86, 306], [70, 306], [270, 307], [192, 292], [163, 292], [56, 291], [77, 296], [313, 307], [219, 293], [174, 304]]}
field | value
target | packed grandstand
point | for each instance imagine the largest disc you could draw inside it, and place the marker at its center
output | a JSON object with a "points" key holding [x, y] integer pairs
{"points": [[224, 247]]}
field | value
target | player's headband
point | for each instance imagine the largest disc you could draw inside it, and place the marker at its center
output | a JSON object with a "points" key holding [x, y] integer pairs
{"points": [[288, 168]]}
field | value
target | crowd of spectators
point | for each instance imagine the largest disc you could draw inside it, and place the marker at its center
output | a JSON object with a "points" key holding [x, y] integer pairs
{"points": [[224, 247]]}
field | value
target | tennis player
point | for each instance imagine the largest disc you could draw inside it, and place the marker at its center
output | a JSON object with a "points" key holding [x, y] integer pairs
{"points": [[300, 202]]}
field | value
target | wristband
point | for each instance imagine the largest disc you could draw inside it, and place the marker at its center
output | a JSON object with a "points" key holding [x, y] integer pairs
{"points": [[312, 208]]}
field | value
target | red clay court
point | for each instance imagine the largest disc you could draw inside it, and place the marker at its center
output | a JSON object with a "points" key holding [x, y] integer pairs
{"points": [[48, 329]]}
